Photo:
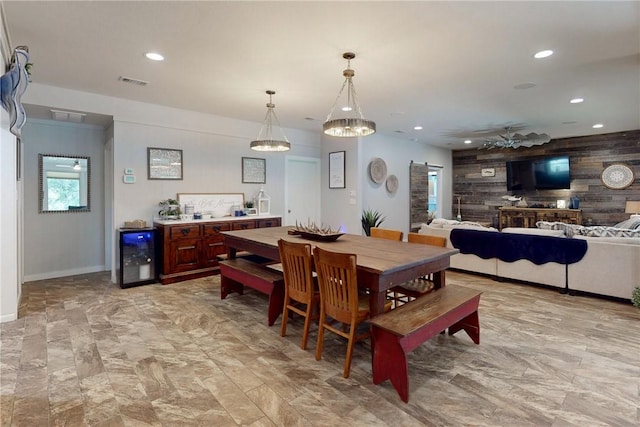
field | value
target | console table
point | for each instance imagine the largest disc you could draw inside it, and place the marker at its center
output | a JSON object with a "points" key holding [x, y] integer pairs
{"points": [[190, 248], [527, 217]]}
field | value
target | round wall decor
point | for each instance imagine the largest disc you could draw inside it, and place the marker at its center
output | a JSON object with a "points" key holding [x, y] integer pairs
{"points": [[617, 176], [378, 170], [392, 183]]}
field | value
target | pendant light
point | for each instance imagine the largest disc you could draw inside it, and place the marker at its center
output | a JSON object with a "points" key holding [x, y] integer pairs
{"points": [[267, 143], [354, 124]]}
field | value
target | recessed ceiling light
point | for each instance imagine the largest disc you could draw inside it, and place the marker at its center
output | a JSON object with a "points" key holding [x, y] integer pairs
{"points": [[154, 56], [597, 126], [468, 141], [577, 100], [543, 54], [417, 128]]}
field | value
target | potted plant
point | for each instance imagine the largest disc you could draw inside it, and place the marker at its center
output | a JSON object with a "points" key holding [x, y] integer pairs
{"points": [[371, 218], [635, 297], [170, 208]]}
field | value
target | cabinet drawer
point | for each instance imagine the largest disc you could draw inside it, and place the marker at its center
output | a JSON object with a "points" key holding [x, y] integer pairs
{"points": [[182, 231], [244, 225], [215, 229], [271, 222]]}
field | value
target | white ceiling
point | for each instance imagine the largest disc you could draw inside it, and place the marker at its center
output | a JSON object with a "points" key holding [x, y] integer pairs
{"points": [[450, 67]]}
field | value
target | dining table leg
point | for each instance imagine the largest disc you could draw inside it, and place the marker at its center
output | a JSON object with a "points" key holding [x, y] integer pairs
{"points": [[439, 279], [377, 300]]}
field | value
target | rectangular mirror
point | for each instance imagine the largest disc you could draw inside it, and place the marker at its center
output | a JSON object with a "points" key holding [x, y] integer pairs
{"points": [[64, 183]]}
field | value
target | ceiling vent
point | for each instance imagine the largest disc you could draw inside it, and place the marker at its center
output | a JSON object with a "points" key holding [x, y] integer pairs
{"points": [[67, 116], [133, 81]]}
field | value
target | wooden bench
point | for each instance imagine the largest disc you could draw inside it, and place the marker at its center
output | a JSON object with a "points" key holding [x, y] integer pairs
{"points": [[239, 272], [396, 333]]}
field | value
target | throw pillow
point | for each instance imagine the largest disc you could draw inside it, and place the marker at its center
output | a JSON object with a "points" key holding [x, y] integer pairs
{"points": [[601, 231], [440, 222], [467, 224], [569, 230], [632, 223], [534, 231]]}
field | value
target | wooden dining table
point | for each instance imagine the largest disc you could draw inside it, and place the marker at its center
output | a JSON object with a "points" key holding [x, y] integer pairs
{"points": [[382, 264]]}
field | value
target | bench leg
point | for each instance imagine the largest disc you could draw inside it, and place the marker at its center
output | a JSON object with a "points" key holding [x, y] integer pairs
{"points": [[228, 285], [389, 361], [276, 302], [470, 324]]}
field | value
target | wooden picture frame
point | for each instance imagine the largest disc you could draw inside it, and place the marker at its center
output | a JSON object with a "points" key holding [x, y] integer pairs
{"points": [[164, 163], [254, 170], [337, 169]]}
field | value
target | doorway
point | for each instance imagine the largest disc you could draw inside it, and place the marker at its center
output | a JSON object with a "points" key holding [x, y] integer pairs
{"points": [[302, 190], [435, 191]]}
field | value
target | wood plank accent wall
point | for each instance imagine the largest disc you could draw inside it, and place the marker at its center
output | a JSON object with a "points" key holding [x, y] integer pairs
{"points": [[419, 192], [588, 156]]}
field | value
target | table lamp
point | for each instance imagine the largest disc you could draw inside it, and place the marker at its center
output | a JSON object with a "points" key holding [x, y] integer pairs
{"points": [[633, 207]]}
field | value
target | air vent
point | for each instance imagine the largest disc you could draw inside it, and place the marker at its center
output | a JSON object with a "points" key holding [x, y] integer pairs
{"points": [[133, 81], [67, 116]]}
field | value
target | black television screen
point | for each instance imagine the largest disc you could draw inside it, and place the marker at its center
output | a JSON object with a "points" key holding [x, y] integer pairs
{"points": [[547, 173]]}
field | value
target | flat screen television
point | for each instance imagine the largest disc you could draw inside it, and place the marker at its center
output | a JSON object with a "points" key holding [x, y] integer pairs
{"points": [[547, 173]]}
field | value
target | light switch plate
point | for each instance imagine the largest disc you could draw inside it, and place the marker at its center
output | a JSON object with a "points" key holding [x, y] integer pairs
{"points": [[129, 179]]}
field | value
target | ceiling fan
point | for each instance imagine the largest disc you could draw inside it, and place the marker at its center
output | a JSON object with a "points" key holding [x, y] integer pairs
{"points": [[515, 140]]}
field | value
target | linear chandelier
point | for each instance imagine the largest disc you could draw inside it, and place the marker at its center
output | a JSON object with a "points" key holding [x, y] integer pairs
{"points": [[354, 124], [267, 143]]}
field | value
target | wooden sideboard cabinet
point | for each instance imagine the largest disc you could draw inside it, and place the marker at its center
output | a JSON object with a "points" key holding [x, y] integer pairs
{"points": [[190, 249], [527, 217]]}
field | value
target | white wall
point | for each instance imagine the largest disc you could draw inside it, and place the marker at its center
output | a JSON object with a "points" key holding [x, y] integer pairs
{"points": [[212, 150], [9, 283], [341, 207], [337, 206], [397, 154], [9, 202], [63, 244]]}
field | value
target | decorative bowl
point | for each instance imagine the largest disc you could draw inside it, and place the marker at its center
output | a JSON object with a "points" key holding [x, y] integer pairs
{"points": [[331, 237]]}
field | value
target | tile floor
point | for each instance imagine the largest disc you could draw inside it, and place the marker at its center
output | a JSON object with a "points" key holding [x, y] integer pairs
{"points": [[86, 353]]}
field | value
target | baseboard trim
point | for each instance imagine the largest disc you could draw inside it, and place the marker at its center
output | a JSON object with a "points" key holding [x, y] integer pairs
{"points": [[8, 317], [63, 273]]}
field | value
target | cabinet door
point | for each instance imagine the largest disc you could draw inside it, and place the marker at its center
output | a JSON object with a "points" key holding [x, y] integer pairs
{"points": [[185, 254], [213, 243], [271, 222], [244, 225]]}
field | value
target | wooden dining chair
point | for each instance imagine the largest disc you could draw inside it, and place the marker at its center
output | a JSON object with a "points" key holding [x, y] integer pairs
{"points": [[301, 295], [340, 301], [385, 233], [422, 285]]}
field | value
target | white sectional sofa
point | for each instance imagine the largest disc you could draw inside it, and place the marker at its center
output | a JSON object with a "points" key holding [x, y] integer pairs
{"points": [[610, 266]]}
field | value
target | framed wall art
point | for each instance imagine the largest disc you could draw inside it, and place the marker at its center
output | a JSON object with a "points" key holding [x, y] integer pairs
{"points": [[254, 170], [164, 163], [336, 169]]}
